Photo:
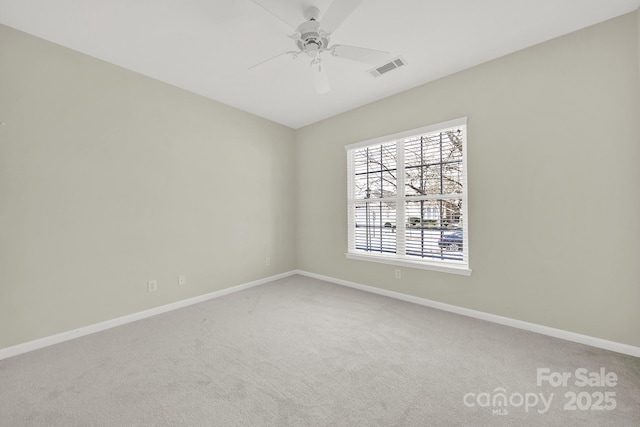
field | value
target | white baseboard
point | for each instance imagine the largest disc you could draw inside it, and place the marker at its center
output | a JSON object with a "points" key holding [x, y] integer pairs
{"points": [[532, 327], [514, 323], [107, 324]]}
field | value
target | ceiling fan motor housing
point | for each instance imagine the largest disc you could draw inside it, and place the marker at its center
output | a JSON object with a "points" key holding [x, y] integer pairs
{"points": [[311, 38]]}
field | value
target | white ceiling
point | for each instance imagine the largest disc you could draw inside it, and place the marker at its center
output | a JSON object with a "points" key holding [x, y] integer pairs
{"points": [[207, 46]]}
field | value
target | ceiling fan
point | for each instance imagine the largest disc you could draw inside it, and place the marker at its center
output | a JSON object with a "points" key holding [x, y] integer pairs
{"points": [[312, 38]]}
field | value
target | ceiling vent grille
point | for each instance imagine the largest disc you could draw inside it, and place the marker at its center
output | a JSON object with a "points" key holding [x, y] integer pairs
{"points": [[389, 66]]}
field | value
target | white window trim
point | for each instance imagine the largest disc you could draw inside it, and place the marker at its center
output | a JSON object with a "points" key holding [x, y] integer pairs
{"points": [[404, 262], [399, 260]]}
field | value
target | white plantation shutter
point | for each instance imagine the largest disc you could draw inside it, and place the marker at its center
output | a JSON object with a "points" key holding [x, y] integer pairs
{"points": [[407, 198]]}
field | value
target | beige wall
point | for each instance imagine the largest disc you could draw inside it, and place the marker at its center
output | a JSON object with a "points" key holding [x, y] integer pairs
{"points": [[109, 178], [554, 184]]}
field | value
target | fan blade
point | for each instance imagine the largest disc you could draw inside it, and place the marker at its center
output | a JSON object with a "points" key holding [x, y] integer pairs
{"points": [[320, 78], [360, 54], [273, 59], [275, 9], [337, 13]]}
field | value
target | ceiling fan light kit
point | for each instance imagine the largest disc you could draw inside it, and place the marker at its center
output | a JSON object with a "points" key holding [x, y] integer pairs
{"points": [[312, 38]]}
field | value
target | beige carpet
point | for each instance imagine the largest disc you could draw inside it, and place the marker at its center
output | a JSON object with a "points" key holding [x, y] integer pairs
{"points": [[302, 352]]}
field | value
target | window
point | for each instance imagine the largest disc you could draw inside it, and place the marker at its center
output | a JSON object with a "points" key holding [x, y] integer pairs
{"points": [[407, 198]]}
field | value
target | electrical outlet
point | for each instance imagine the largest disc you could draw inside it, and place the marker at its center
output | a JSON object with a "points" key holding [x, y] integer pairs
{"points": [[267, 261], [398, 273], [152, 285], [182, 280]]}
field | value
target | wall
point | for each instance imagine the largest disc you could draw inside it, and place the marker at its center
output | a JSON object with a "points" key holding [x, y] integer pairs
{"points": [[554, 200], [109, 179]]}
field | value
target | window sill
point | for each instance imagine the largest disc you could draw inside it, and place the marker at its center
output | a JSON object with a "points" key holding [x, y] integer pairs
{"points": [[403, 262]]}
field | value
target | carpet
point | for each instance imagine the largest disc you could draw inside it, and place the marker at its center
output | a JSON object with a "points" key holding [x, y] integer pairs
{"points": [[303, 352]]}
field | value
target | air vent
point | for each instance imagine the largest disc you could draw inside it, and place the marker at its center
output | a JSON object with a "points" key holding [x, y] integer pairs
{"points": [[389, 66]]}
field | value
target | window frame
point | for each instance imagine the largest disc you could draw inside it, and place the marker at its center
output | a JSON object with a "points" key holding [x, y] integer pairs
{"points": [[400, 199]]}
